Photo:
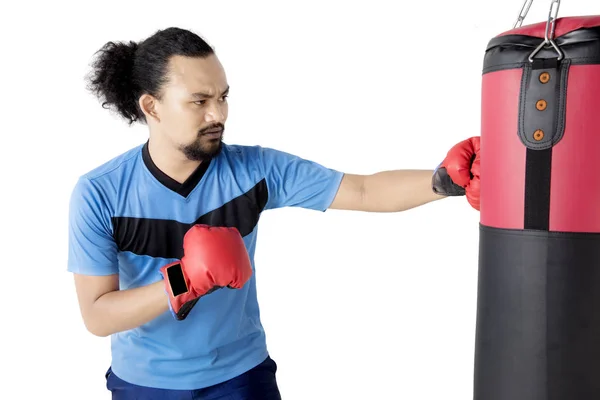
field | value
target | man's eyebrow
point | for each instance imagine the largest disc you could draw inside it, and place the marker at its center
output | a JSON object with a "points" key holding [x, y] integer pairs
{"points": [[201, 94]]}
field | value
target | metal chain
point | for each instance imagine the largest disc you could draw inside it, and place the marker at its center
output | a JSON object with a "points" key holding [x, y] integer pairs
{"points": [[523, 13], [552, 15], [550, 26]]}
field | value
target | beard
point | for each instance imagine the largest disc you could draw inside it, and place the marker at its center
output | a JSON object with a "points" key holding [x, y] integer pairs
{"points": [[204, 147]]}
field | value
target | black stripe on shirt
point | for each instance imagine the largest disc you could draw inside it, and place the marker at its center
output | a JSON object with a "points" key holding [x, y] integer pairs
{"points": [[164, 238]]}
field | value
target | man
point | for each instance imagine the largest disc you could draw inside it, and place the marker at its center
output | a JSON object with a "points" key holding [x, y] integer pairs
{"points": [[162, 237]]}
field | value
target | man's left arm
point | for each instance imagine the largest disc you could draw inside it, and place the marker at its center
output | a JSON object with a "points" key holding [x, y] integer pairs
{"points": [[385, 191], [296, 182], [400, 190]]}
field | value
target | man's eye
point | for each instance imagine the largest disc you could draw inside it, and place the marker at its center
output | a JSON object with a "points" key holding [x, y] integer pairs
{"points": [[200, 102]]}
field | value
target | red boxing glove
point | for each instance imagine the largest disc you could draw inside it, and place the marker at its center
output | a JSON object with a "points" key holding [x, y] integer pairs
{"points": [[458, 174], [473, 188], [214, 257]]}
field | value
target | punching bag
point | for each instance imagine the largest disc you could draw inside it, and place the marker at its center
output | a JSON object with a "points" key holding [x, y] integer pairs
{"points": [[538, 295]]}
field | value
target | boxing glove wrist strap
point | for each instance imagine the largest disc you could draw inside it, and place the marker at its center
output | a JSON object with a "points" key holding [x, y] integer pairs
{"points": [[178, 289], [442, 184]]}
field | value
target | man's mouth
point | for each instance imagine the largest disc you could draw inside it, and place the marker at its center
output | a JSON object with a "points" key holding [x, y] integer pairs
{"points": [[213, 133], [215, 129]]}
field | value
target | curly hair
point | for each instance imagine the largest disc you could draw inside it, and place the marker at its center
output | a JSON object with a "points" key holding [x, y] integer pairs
{"points": [[124, 71]]}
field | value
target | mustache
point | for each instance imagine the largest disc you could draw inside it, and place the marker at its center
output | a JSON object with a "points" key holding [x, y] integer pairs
{"points": [[218, 127]]}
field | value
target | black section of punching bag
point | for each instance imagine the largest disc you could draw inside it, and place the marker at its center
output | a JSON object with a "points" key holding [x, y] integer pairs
{"points": [[538, 315], [512, 51], [542, 103], [537, 189]]}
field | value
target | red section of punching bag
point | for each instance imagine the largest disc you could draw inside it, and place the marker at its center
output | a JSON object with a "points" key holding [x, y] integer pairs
{"points": [[562, 26], [502, 153], [575, 194], [574, 198]]}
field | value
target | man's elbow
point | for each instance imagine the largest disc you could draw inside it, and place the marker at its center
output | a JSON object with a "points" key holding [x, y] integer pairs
{"points": [[99, 332], [94, 325], [362, 198], [352, 194], [363, 194], [95, 328]]}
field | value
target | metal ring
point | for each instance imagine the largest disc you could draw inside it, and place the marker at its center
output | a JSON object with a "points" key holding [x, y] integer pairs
{"points": [[542, 45]]}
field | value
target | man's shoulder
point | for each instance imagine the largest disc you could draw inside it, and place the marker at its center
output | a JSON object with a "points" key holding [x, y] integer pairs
{"points": [[253, 153], [105, 179], [240, 155], [114, 165], [240, 150]]}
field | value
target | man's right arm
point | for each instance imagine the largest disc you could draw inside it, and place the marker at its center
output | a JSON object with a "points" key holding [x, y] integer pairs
{"points": [[93, 261], [106, 309]]}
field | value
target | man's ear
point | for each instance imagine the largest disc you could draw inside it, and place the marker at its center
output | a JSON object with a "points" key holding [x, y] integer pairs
{"points": [[149, 107]]}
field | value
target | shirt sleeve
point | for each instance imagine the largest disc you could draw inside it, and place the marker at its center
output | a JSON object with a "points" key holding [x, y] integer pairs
{"points": [[92, 249], [296, 182]]}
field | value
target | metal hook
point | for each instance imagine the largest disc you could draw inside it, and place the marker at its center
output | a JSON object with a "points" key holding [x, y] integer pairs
{"points": [[549, 33], [550, 27]]}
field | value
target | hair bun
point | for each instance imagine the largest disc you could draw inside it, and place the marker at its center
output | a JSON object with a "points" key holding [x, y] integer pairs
{"points": [[112, 78]]}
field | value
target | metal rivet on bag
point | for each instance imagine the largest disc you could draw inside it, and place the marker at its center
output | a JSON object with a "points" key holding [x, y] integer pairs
{"points": [[541, 105], [544, 77], [538, 135]]}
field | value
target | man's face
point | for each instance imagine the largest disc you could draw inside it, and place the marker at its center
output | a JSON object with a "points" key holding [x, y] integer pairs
{"points": [[194, 108]]}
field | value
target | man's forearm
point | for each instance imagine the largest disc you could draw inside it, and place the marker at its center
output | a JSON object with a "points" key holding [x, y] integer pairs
{"points": [[400, 190], [127, 309]]}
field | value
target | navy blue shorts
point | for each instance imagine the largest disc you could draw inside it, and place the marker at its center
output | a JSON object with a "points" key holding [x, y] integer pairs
{"points": [[259, 383]]}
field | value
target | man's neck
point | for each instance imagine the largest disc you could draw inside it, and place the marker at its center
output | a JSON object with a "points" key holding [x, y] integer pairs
{"points": [[171, 161]]}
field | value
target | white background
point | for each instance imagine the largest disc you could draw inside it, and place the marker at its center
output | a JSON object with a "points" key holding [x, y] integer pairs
{"points": [[355, 305]]}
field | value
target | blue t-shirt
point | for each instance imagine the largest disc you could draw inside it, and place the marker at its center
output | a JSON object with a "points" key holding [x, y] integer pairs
{"points": [[129, 218]]}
